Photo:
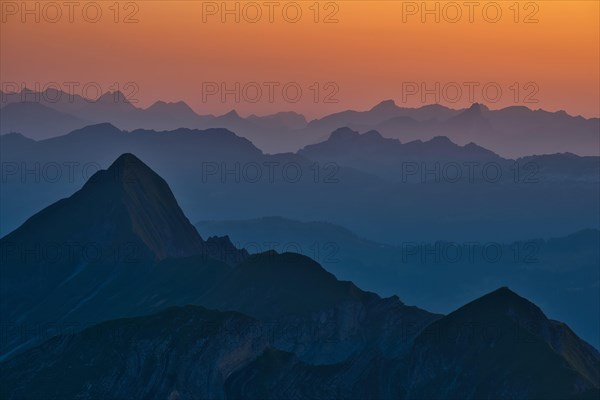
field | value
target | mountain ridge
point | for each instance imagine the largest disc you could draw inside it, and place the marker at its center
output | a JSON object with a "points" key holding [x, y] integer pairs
{"points": [[280, 132]]}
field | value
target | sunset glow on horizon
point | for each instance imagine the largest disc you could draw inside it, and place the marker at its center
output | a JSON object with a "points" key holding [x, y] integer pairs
{"points": [[340, 55]]}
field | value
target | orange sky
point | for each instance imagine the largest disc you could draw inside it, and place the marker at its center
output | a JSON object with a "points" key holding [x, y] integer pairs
{"points": [[372, 53]]}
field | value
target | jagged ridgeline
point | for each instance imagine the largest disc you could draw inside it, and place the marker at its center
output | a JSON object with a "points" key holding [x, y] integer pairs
{"points": [[112, 294]]}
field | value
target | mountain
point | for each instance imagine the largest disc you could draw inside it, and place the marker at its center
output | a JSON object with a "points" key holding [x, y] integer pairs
{"points": [[497, 339], [62, 164], [563, 165], [271, 133], [271, 285], [71, 112], [182, 352], [497, 346], [392, 159], [342, 252], [123, 225], [303, 332], [384, 111], [163, 116], [441, 159], [37, 120], [512, 132], [560, 274], [128, 200], [290, 120]]}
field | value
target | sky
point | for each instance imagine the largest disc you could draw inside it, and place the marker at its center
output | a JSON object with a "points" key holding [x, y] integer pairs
{"points": [[311, 57]]}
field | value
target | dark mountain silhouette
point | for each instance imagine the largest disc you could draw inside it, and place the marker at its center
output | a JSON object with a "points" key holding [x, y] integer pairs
{"points": [[560, 274], [115, 230], [125, 226], [497, 346], [185, 352], [485, 342], [261, 287], [129, 200]]}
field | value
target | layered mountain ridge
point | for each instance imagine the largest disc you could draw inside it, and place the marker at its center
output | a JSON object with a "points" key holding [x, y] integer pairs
{"points": [[512, 132], [286, 328]]}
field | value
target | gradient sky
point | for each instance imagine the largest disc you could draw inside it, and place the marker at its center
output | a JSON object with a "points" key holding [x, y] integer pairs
{"points": [[369, 54]]}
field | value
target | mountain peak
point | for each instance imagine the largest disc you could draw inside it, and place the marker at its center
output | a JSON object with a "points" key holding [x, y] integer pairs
{"points": [[127, 168], [126, 158], [158, 105], [477, 108], [127, 161], [498, 331], [502, 295], [130, 188], [441, 140], [232, 114], [504, 292], [343, 133], [103, 129], [372, 134], [385, 105], [502, 303], [127, 203], [112, 97], [163, 106]]}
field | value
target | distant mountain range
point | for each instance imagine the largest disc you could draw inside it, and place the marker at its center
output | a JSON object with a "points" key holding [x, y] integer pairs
{"points": [[512, 132], [442, 160], [404, 193], [286, 328]]}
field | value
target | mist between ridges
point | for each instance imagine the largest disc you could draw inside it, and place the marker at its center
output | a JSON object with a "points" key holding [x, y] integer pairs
{"points": [[275, 172]]}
